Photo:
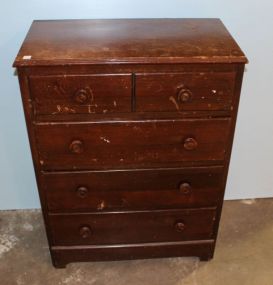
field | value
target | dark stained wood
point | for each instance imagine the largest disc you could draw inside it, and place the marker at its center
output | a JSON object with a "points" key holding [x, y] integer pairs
{"points": [[184, 91], [130, 40], [132, 189], [62, 255], [131, 227], [134, 116], [113, 68], [131, 144], [84, 94], [237, 92], [146, 178]]}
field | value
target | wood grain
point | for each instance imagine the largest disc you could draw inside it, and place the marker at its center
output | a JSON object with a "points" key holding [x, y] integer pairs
{"points": [[131, 125], [81, 94], [130, 40], [128, 227], [132, 189], [107, 145], [202, 91]]}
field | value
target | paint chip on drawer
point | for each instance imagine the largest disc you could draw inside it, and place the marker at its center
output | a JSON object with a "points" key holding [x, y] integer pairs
{"points": [[27, 57]]}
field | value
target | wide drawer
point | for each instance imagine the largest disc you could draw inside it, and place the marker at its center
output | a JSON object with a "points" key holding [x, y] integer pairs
{"points": [[132, 189], [64, 146], [131, 227], [197, 91], [81, 94]]}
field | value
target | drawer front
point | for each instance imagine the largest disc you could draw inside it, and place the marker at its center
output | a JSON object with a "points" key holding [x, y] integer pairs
{"points": [[81, 94], [184, 91], [132, 190], [126, 227], [133, 144]]}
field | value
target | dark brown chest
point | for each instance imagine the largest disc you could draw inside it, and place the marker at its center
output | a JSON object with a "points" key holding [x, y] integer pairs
{"points": [[131, 125]]}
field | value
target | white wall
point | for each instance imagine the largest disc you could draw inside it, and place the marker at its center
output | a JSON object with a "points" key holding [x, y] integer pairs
{"points": [[250, 22]]}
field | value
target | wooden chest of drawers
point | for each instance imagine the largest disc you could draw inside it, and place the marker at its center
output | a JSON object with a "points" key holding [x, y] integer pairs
{"points": [[130, 125]]}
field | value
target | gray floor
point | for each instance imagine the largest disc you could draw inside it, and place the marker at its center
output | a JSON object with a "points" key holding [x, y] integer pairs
{"points": [[244, 254]]}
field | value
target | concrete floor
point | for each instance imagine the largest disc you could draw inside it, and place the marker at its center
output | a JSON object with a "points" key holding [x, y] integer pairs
{"points": [[244, 254]]}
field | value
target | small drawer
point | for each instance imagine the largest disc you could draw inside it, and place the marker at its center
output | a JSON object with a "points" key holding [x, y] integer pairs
{"points": [[180, 92], [117, 145], [81, 94], [132, 189], [131, 227]]}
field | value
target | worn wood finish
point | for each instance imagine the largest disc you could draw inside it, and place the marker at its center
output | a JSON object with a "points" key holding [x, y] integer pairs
{"points": [[113, 68], [131, 144], [127, 227], [131, 40], [131, 124], [132, 189], [184, 91], [61, 255], [81, 94]]}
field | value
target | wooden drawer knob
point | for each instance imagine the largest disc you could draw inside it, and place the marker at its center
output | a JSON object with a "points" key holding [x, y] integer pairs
{"points": [[190, 144], [184, 95], [179, 226], [76, 146], [85, 232], [82, 191], [185, 188], [82, 96]]}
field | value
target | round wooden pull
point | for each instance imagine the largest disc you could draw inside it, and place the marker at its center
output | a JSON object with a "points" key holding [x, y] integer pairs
{"points": [[82, 191], [185, 188], [76, 146], [184, 95], [190, 144], [179, 226], [81, 96], [85, 232]]}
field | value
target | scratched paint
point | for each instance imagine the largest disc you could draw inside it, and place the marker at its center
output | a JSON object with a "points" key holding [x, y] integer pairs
{"points": [[105, 139], [172, 99], [101, 205]]}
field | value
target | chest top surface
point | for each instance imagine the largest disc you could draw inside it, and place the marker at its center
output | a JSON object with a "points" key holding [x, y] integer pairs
{"points": [[57, 42]]}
